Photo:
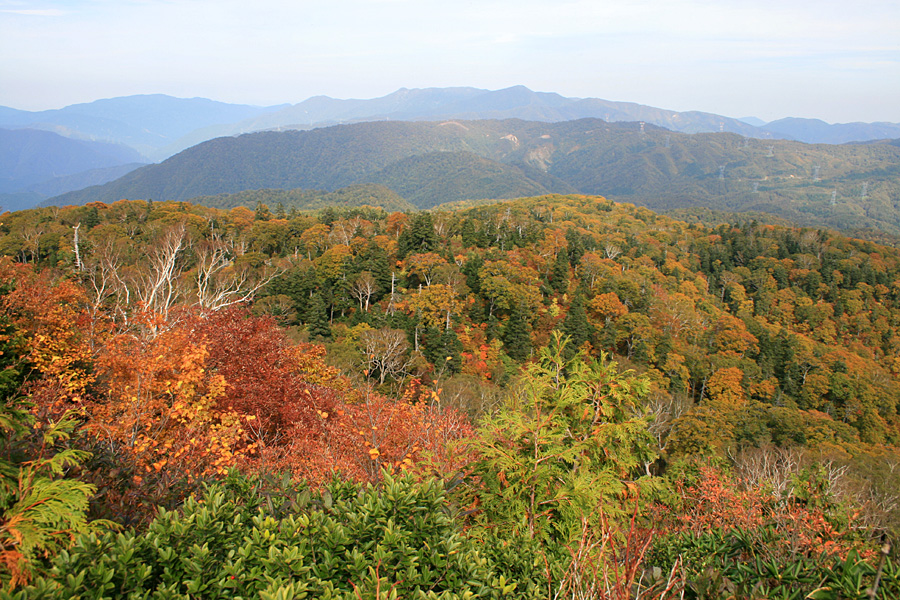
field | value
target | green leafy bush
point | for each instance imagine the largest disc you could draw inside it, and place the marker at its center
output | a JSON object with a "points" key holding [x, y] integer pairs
{"points": [[396, 540]]}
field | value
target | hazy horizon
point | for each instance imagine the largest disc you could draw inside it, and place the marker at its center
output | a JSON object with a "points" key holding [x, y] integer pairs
{"points": [[769, 60]]}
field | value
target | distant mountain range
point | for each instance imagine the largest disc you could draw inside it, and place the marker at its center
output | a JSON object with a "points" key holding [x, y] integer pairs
{"points": [[160, 126], [851, 187], [37, 164], [146, 123], [52, 152]]}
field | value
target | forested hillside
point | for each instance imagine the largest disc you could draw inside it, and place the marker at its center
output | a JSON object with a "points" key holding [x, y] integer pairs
{"points": [[851, 187], [283, 201], [605, 401]]}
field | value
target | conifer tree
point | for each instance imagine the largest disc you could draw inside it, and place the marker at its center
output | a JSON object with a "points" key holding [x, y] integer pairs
{"points": [[316, 318], [40, 509], [262, 212], [91, 218], [576, 247], [516, 336], [419, 236], [559, 278], [443, 349], [451, 348], [576, 325], [566, 445]]}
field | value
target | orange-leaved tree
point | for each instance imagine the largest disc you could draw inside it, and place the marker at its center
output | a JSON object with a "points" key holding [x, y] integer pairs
{"points": [[160, 403], [286, 391], [377, 433], [50, 313]]}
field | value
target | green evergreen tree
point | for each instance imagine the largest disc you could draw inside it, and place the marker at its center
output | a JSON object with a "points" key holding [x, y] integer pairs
{"points": [[559, 278], [576, 325], [316, 318], [492, 331], [376, 261], [576, 247], [430, 340], [471, 269], [262, 212], [515, 335], [40, 509], [418, 237], [442, 349], [545, 463], [451, 348], [91, 218]]}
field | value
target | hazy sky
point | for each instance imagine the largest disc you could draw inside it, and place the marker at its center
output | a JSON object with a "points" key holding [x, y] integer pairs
{"points": [[834, 60]]}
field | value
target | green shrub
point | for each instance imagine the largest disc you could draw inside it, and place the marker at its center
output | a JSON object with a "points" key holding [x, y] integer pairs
{"points": [[393, 540]]}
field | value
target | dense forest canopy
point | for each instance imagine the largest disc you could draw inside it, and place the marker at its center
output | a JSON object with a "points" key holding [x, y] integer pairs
{"points": [[581, 375]]}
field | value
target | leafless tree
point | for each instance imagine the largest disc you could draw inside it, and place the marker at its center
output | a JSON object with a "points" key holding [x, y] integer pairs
{"points": [[879, 496], [31, 236], [75, 242], [394, 298], [157, 287], [344, 230], [664, 409], [441, 221], [471, 394], [103, 275], [726, 279], [451, 275], [386, 352], [363, 288], [219, 283], [769, 467]]}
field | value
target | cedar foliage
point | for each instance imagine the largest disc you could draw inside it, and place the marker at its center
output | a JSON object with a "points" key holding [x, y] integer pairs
{"points": [[562, 448]]}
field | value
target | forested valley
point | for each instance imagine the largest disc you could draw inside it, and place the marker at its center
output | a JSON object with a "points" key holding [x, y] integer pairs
{"points": [[547, 397]]}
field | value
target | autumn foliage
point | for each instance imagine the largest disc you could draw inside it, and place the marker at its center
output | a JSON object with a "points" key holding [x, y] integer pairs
{"points": [[740, 338], [187, 396], [715, 501]]}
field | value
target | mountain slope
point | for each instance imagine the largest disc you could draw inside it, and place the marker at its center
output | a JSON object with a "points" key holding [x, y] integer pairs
{"points": [[439, 177], [82, 179], [846, 187], [29, 157], [144, 122], [820, 132], [326, 159], [517, 102], [301, 199], [160, 126]]}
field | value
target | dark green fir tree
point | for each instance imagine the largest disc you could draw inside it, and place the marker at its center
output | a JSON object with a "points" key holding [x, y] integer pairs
{"points": [[262, 212], [576, 325], [91, 218], [442, 349], [418, 237], [516, 336], [451, 349], [559, 277], [316, 318]]}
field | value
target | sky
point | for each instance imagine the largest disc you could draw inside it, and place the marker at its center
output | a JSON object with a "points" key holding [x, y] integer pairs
{"points": [[838, 61]]}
